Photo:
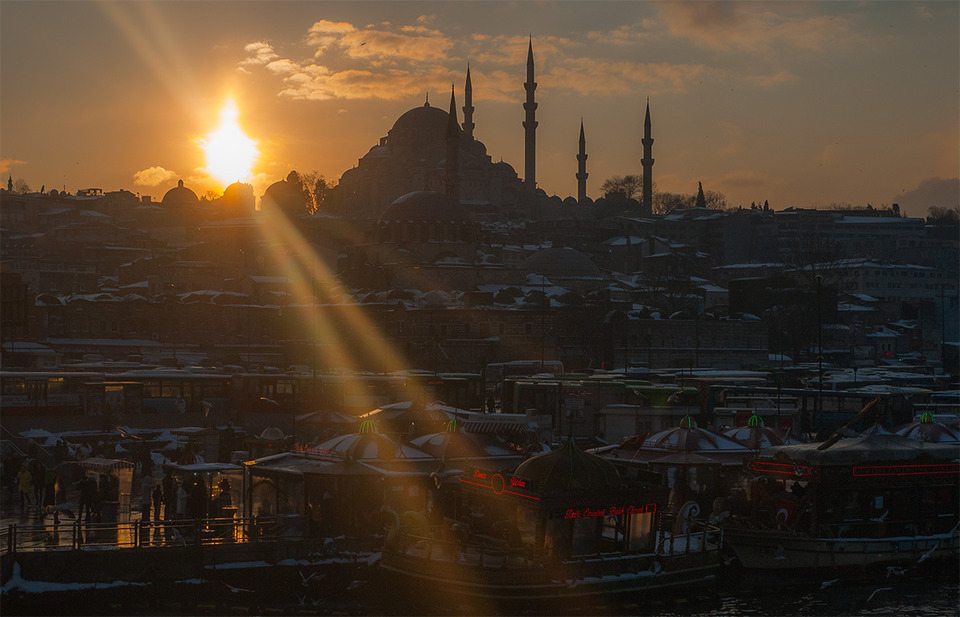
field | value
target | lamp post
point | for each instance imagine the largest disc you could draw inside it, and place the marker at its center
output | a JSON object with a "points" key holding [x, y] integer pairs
{"points": [[819, 348], [543, 319]]}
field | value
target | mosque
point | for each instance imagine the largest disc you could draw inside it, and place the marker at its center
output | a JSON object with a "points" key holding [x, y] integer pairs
{"points": [[427, 150]]}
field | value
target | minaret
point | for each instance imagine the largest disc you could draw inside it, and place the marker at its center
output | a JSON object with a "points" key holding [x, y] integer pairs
{"points": [[468, 108], [582, 167], [530, 127], [647, 163], [453, 150]]}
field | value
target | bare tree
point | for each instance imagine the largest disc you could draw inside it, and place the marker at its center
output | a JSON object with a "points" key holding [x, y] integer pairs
{"points": [[668, 202], [20, 186], [943, 216], [315, 188], [627, 187]]}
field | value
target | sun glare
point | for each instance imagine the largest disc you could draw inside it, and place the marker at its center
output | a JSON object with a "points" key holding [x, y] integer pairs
{"points": [[230, 153]]}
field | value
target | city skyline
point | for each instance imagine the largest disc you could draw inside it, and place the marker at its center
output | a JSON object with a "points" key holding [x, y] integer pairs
{"points": [[801, 104]]}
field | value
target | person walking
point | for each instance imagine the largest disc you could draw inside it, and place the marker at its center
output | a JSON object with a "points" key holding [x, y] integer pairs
{"points": [[157, 498], [24, 485], [88, 489]]}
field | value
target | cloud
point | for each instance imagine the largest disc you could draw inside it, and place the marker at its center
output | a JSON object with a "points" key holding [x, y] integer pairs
{"points": [[592, 76], [623, 35], [362, 84], [258, 53], [769, 81], [931, 192], [830, 154], [6, 164], [153, 176], [419, 47], [746, 26], [323, 34]]}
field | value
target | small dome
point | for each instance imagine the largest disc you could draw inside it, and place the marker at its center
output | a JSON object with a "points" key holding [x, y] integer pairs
{"points": [[561, 263], [426, 206], [569, 469], [286, 195], [238, 195], [179, 195], [272, 433]]}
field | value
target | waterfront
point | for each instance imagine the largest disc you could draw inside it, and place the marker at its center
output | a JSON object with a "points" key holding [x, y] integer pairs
{"points": [[935, 593]]}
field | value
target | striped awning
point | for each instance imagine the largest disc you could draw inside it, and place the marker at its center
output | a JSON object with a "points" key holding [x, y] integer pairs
{"points": [[495, 426], [99, 464]]}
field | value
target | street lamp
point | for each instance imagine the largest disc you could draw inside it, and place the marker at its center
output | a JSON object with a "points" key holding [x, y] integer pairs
{"points": [[819, 348]]}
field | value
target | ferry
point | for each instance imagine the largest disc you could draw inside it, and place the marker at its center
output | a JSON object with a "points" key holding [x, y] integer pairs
{"points": [[563, 526], [872, 499]]}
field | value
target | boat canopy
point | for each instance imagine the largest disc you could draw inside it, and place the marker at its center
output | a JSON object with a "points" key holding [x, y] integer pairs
{"points": [[874, 444]]}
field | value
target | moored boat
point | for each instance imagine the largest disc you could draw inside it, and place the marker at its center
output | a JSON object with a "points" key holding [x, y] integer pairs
{"points": [[874, 499], [563, 525]]}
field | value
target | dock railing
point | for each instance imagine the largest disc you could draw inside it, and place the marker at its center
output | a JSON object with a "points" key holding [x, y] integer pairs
{"points": [[78, 535]]}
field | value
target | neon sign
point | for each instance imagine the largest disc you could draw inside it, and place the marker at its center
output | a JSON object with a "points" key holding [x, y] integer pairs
{"points": [[905, 470], [787, 469], [498, 483], [610, 511]]}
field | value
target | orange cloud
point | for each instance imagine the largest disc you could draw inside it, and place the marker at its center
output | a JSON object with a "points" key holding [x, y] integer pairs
{"points": [[430, 45], [153, 176], [259, 53], [6, 164]]}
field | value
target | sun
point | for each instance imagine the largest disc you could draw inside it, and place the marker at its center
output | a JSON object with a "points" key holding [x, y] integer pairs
{"points": [[231, 155]]}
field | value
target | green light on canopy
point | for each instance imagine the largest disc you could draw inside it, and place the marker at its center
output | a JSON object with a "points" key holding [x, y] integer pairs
{"points": [[755, 421], [926, 418], [688, 422], [368, 427], [452, 426]]}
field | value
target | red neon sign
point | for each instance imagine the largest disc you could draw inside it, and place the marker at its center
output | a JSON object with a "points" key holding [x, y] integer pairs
{"points": [[498, 484], [905, 470], [610, 511], [787, 469]]}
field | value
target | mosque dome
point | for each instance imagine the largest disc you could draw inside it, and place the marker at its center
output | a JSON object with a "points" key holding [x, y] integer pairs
{"points": [[238, 195], [424, 120], [285, 195], [426, 206], [179, 195], [561, 263], [569, 468]]}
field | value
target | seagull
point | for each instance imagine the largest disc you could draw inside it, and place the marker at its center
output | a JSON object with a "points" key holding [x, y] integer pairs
{"points": [[880, 518], [876, 591], [895, 571], [826, 584], [235, 589], [306, 579], [354, 585], [929, 553], [178, 536]]}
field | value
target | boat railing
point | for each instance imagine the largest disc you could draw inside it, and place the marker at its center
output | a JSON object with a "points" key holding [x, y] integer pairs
{"points": [[80, 535], [699, 537], [880, 527]]}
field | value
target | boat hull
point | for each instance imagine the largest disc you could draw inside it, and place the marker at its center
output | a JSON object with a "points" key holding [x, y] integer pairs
{"points": [[772, 550], [500, 582]]}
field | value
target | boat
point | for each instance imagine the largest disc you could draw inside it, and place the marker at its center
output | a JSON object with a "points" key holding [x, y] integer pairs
{"points": [[563, 525], [869, 499]]}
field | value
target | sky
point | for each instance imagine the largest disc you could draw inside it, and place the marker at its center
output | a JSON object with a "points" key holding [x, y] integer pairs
{"points": [[806, 104]]}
